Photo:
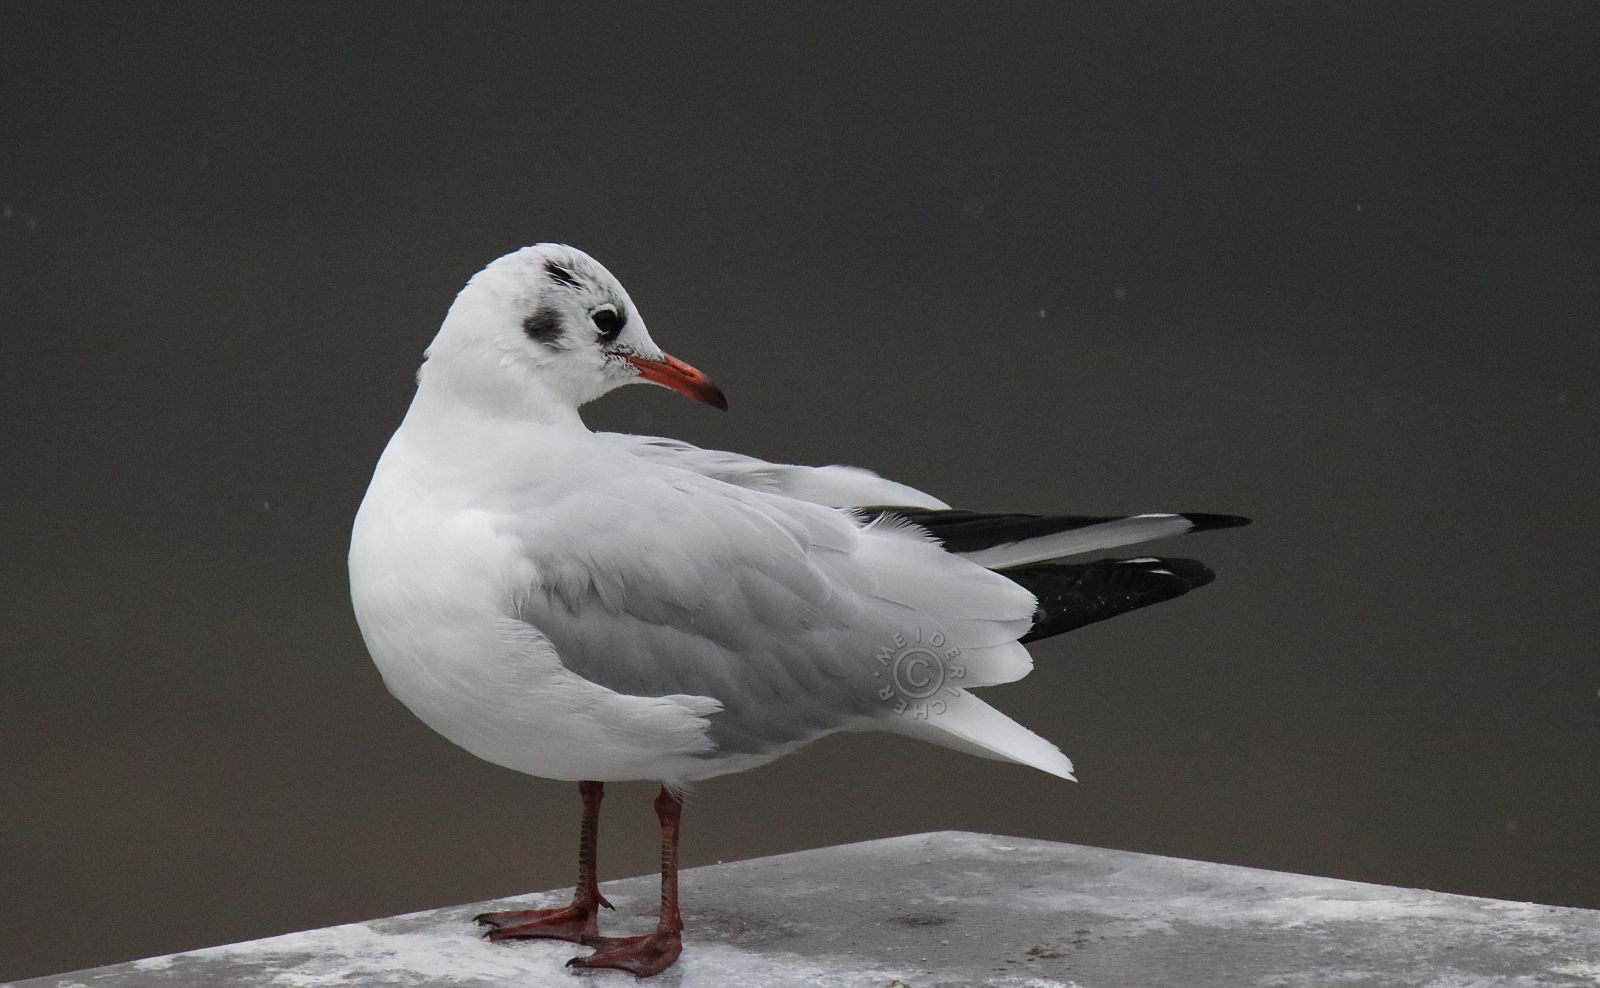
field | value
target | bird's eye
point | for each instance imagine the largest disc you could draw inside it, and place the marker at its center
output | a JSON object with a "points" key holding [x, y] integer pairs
{"points": [[609, 322]]}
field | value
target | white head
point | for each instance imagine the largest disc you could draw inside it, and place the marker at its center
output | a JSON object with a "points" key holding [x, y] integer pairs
{"points": [[548, 324]]}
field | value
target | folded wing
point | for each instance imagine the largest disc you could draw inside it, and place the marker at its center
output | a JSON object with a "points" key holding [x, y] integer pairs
{"points": [[790, 615], [834, 486]]}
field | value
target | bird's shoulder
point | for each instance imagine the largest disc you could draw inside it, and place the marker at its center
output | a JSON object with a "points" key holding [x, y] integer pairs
{"points": [[648, 507], [832, 485]]}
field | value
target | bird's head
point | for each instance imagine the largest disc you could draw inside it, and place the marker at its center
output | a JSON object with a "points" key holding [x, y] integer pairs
{"points": [[549, 322]]}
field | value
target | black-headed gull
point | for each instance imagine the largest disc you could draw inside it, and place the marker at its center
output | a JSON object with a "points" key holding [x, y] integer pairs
{"points": [[597, 607]]}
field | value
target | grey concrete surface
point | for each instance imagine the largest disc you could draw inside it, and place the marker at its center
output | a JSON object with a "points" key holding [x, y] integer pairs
{"points": [[948, 909]]}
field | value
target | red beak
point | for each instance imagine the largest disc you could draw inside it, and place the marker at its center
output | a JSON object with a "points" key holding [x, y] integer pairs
{"points": [[670, 372]]}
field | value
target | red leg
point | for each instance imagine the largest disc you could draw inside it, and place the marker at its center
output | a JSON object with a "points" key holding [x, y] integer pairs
{"points": [[651, 953], [576, 922]]}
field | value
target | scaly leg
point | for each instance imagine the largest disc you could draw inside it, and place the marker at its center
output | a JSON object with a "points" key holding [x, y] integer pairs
{"points": [[651, 953], [577, 922]]}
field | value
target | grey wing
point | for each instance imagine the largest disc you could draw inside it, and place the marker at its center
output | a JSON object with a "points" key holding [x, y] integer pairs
{"points": [[833, 486], [778, 609]]}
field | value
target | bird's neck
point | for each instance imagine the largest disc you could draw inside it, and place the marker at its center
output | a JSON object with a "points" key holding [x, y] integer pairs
{"points": [[448, 399], [457, 445]]}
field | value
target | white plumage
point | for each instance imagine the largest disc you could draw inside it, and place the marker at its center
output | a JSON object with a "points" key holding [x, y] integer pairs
{"points": [[594, 606], [598, 607]]}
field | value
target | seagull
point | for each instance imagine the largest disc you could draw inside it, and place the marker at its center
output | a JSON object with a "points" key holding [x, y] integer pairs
{"points": [[595, 607]]}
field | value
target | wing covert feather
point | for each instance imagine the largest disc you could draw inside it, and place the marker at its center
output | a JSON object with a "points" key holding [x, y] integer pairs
{"points": [[775, 607]]}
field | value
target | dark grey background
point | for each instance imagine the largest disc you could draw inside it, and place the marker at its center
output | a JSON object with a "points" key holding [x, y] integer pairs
{"points": [[1330, 266]]}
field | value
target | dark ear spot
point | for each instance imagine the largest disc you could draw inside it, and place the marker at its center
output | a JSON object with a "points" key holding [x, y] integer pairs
{"points": [[561, 275], [543, 325]]}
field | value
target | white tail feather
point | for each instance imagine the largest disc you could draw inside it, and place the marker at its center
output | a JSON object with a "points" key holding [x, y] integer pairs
{"points": [[968, 724]]}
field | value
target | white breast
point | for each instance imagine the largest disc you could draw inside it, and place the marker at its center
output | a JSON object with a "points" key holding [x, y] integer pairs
{"points": [[434, 577]]}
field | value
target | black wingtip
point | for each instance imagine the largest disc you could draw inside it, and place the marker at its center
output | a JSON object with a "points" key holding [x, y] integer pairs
{"points": [[1071, 595], [1191, 571], [1205, 522]]}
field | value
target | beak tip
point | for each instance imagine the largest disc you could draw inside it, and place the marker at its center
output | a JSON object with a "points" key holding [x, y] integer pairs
{"points": [[670, 372]]}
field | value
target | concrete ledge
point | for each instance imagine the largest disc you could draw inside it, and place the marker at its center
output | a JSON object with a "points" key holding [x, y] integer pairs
{"points": [[951, 909]]}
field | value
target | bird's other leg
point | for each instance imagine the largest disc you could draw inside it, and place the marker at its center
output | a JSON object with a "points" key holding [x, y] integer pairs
{"points": [[654, 952], [576, 922]]}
